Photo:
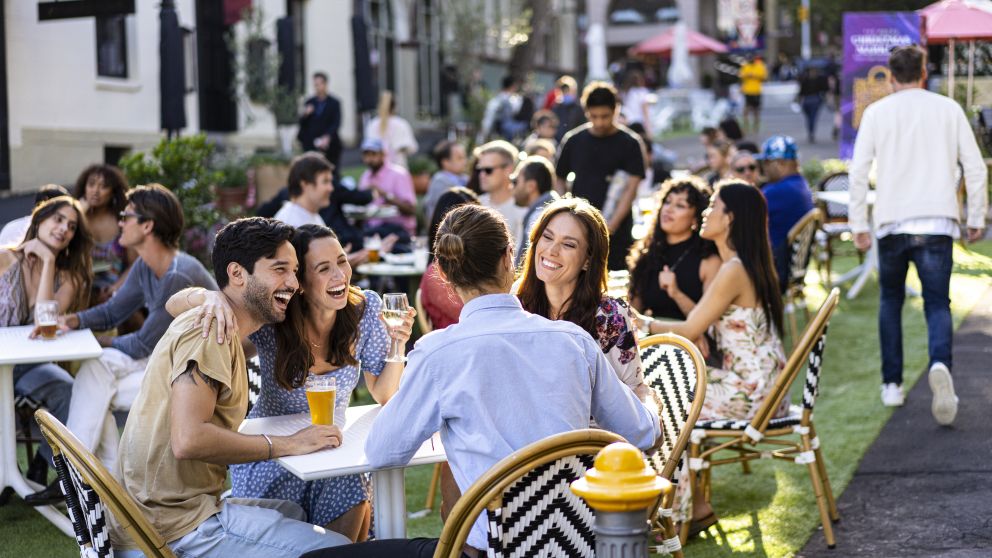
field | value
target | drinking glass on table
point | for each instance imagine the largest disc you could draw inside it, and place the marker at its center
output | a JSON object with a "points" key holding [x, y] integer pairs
{"points": [[321, 394], [46, 318], [394, 309], [373, 244]]}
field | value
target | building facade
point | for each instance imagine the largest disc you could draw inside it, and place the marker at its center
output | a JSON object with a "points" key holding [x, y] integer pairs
{"points": [[86, 90]]}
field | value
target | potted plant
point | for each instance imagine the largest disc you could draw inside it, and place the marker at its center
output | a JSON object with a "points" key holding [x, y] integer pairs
{"points": [[270, 173], [232, 185], [181, 164], [255, 73], [421, 169]]}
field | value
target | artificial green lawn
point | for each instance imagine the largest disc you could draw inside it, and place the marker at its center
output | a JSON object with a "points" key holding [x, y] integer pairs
{"points": [[770, 512]]}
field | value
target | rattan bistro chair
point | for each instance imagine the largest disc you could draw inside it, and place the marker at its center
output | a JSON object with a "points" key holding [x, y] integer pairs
{"points": [[91, 491], [801, 238], [531, 510], [673, 368], [765, 436]]}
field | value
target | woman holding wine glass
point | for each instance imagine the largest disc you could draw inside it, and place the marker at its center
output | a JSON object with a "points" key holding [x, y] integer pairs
{"points": [[330, 327]]}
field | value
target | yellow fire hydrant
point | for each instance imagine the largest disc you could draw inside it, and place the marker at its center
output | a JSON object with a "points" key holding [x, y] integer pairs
{"points": [[621, 487]]}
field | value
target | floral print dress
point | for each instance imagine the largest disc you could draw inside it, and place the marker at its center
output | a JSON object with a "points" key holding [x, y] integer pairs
{"points": [[753, 356], [617, 337], [327, 499]]}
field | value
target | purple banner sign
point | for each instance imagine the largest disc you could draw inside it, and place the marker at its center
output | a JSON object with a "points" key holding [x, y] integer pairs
{"points": [[868, 38]]}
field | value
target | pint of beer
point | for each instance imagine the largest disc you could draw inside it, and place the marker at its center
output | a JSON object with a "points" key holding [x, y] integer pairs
{"points": [[46, 318], [372, 245], [321, 395]]}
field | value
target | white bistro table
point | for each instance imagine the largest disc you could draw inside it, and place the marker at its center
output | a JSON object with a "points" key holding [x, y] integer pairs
{"points": [[19, 349], [389, 499], [862, 272]]}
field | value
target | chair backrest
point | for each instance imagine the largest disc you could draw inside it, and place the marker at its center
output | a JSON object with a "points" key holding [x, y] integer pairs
{"points": [[91, 490], [836, 182], [531, 510], [815, 329], [422, 318], [254, 380], [800, 239], [673, 368]]}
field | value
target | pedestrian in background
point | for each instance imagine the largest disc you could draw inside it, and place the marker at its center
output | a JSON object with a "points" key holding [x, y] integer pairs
{"points": [[917, 140]]}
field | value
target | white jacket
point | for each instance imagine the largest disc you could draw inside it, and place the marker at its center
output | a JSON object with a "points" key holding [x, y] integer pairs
{"points": [[917, 138]]}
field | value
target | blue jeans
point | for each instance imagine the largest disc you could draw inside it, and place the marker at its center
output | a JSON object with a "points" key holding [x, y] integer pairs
{"points": [[49, 385], [252, 528], [932, 256]]}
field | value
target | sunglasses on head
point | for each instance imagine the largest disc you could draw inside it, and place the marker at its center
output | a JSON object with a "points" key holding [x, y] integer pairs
{"points": [[490, 170], [752, 167]]}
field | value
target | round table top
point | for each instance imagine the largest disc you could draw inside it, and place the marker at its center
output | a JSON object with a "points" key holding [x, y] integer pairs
{"points": [[390, 269]]}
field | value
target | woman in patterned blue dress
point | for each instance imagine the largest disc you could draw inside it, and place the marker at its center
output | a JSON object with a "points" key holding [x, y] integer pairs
{"points": [[331, 328]]}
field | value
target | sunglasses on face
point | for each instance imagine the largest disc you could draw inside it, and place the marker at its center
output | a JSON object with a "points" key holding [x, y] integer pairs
{"points": [[752, 167], [490, 170], [125, 214]]}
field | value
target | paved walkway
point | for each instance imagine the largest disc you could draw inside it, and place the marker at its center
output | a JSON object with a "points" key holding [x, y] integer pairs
{"points": [[922, 489]]}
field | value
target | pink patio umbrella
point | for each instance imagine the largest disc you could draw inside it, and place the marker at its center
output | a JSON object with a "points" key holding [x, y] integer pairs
{"points": [[663, 43], [948, 21]]}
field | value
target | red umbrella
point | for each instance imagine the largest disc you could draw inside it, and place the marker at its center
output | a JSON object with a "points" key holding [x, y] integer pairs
{"points": [[957, 20], [664, 42], [948, 21]]}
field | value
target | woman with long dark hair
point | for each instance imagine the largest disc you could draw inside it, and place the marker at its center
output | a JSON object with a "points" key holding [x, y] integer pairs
{"points": [[102, 191], [52, 263], [564, 278], [672, 265], [331, 328], [440, 302], [744, 307]]}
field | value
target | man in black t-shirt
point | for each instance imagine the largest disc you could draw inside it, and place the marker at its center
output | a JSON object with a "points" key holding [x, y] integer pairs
{"points": [[597, 153]]}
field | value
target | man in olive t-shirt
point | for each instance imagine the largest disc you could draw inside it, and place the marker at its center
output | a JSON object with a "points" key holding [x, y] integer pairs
{"points": [[181, 432]]}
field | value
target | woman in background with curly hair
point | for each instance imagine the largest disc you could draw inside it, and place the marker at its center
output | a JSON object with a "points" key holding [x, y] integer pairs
{"points": [[672, 266], [102, 191]]}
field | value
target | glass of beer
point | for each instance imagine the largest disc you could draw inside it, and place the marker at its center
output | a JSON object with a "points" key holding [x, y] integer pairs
{"points": [[321, 394], [46, 318], [373, 244], [394, 308]]}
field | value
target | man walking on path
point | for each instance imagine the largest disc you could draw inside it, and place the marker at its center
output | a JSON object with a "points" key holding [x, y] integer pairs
{"points": [[917, 139], [753, 75]]}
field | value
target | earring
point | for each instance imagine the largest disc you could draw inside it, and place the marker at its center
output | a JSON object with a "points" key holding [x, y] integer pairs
{"points": [[694, 226]]}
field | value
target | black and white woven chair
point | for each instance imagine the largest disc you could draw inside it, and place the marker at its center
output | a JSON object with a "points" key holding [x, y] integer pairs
{"points": [[768, 437], [801, 237], [91, 492], [531, 511], [254, 380], [835, 224], [673, 367]]}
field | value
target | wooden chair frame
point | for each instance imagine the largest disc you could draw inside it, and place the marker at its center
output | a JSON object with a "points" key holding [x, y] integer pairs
{"points": [[487, 491], [668, 466], [760, 441], [66, 446], [802, 235], [825, 261]]}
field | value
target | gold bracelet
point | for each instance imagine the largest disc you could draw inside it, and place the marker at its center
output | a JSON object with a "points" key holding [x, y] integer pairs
{"points": [[269, 440]]}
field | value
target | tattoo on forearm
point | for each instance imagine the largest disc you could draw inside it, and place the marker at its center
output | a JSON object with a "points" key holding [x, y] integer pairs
{"points": [[192, 371]]}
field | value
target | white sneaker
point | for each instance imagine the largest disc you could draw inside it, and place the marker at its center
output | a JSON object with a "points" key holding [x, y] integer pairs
{"points": [[892, 395], [945, 403]]}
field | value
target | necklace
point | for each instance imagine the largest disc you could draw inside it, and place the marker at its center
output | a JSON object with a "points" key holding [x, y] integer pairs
{"points": [[680, 258]]}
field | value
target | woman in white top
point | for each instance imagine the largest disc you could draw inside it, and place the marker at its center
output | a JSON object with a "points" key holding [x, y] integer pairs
{"points": [[395, 132], [637, 100]]}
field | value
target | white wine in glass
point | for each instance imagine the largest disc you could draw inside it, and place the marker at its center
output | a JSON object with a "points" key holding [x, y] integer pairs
{"points": [[394, 309]]}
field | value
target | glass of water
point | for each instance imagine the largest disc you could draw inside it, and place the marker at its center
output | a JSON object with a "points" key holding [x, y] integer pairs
{"points": [[394, 309]]}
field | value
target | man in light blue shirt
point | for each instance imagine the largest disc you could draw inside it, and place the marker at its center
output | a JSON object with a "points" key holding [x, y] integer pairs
{"points": [[498, 380]]}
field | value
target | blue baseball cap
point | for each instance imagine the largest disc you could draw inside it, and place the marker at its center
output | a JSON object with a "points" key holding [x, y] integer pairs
{"points": [[372, 144], [779, 147]]}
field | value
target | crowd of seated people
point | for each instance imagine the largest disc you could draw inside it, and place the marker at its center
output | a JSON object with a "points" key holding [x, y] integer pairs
{"points": [[515, 290]]}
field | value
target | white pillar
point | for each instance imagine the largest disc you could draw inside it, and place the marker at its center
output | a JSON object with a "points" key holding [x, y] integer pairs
{"points": [[596, 62]]}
